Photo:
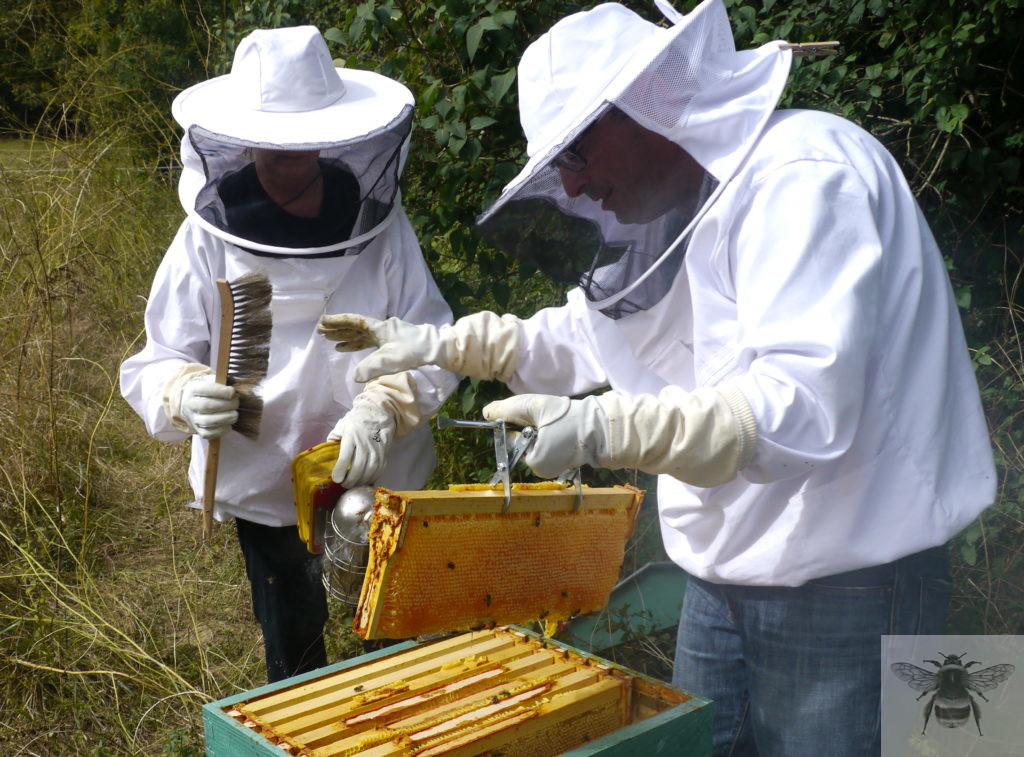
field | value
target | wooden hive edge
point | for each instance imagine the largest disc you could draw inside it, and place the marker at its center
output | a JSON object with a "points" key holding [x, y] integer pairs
{"points": [[568, 690]]}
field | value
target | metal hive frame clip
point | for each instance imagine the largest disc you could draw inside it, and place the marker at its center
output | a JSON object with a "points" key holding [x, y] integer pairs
{"points": [[504, 459]]}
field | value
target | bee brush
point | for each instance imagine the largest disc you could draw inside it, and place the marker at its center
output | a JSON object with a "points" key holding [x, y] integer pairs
{"points": [[243, 355]]}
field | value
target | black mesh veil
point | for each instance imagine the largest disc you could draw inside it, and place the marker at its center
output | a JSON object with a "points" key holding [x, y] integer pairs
{"points": [[360, 184], [574, 242]]}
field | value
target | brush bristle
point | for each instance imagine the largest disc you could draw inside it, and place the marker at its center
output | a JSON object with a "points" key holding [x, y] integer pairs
{"points": [[249, 356], [250, 410]]}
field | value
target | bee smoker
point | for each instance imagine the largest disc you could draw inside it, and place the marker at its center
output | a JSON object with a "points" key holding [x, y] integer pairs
{"points": [[346, 544]]}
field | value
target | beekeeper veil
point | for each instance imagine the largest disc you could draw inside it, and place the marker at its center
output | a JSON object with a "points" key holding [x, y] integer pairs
{"points": [[288, 155], [685, 82]]}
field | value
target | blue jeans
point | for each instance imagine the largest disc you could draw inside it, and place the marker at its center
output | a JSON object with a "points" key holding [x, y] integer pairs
{"points": [[796, 671]]}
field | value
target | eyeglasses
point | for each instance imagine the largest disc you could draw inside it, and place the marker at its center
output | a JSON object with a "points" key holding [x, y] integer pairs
{"points": [[570, 158]]}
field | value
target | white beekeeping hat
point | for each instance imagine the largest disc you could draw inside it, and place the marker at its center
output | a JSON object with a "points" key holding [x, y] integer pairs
{"points": [[685, 81], [285, 93]]}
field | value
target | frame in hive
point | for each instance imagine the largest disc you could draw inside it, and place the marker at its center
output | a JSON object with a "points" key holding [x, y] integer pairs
{"points": [[497, 691], [458, 559]]}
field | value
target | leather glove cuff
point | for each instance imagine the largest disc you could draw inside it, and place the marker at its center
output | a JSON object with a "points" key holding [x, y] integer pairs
{"points": [[482, 345], [394, 394], [704, 437], [171, 399]]}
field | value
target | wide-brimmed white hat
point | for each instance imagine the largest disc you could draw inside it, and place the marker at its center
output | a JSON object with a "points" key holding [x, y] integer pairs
{"points": [[673, 80], [685, 82], [284, 90]]}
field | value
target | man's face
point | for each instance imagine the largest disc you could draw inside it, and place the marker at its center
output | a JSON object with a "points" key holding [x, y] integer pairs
{"points": [[634, 173]]}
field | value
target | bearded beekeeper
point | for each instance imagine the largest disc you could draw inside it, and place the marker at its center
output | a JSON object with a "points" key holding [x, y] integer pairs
{"points": [[761, 293], [291, 167]]}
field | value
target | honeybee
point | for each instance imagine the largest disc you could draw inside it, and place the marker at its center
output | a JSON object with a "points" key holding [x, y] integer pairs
{"points": [[952, 685]]}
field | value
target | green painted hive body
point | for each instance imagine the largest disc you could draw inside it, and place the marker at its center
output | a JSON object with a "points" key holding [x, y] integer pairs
{"points": [[500, 690]]}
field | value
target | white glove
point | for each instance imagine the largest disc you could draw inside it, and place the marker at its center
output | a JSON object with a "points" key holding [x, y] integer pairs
{"points": [[570, 433], [703, 437], [482, 345], [365, 432], [205, 407]]}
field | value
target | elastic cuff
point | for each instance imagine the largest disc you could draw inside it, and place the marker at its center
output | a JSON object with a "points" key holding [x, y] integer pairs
{"points": [[746, 422]]}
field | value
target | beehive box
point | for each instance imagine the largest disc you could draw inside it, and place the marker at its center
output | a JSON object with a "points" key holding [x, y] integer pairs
{"points": [[457, 559], [501, 691]]}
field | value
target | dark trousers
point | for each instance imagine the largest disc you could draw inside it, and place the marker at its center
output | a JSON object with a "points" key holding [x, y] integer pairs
{"points": [[288, 598]]}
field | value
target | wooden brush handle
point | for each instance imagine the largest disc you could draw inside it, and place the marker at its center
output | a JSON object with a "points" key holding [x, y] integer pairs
{"points": [[227, 319], [210, 485], [227, 316]]}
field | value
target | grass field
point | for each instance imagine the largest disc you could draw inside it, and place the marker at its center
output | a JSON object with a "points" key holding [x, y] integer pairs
{"points": [[117, 621]]}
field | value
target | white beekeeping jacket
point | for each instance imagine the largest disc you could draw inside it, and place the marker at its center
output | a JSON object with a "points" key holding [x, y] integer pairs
{"points": [[810, 284], [309, 384], [814, 287]]}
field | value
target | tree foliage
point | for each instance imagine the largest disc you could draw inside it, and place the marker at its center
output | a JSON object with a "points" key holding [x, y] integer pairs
{"points": [[77, 67], [937, 81], [459, 57]]}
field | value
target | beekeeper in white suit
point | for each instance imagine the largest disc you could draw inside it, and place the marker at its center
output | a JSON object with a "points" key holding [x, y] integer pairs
{"points": [[291, 167], [761, 293]]}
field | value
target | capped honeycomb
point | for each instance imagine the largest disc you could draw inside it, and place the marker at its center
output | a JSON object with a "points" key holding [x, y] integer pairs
{"points": [[452, 560]]}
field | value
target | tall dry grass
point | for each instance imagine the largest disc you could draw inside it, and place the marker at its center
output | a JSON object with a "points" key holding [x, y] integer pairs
{"points": [[116, 621]]}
